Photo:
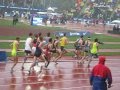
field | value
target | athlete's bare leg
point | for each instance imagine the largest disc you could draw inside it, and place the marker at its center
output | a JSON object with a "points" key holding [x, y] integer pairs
{"points": [[15, 63], [25, 59], [61, 55]]}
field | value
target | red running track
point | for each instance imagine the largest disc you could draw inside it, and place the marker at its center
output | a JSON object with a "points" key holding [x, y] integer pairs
{"points": [[67, 75]]}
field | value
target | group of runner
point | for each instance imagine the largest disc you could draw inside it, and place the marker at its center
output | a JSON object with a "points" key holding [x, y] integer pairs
{"points": [[86, 49], [43, 49]]}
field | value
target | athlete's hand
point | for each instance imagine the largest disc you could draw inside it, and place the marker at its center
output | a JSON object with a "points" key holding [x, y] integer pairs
{"points": [[109, 86]]}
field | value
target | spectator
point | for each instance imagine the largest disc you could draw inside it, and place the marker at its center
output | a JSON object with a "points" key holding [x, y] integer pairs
{"points": [[100, 74], [117, 28], [114, 28], [15, 19]]}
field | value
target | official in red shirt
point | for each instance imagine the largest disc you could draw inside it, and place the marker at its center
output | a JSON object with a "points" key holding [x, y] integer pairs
{"points": [[101, 77]]}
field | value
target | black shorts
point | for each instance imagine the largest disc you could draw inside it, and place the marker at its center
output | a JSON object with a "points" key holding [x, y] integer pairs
{"points": [[94, 55], [38, 53], [87, 49], [28, 52], [62, 48], [53, 51], [77, 48]]}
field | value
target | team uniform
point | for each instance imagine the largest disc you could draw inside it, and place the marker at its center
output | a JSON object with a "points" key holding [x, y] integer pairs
{"points": [[87, 48], [34, 45], [54, 46], [39, 54], [94, 49], [47, 51], [28, 47], [51, 48], [63, 43], [47, 39], [77, 44], [14, 48], [38, 50], [86, 51], [78, 47], [93, 52]]}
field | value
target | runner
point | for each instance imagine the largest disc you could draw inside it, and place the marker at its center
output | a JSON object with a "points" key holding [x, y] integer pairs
{"points": [[47, 51], [35, 40], [78, 47], [86, 50], [39, 35], [56, 42], [15, 46], [63, 43], [55, 47], [28, 48], [47, 37], [52, 48], [34, 44], [39, 54], [94, 51]]}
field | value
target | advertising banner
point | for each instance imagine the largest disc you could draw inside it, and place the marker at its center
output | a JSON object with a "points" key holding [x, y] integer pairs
{"points": [[81, 33]]}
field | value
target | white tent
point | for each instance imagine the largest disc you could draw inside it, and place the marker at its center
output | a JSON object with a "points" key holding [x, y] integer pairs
{"points": [[116, 22], [51, 9]]}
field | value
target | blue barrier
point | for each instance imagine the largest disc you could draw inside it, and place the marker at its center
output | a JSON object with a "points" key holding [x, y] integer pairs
{"points": [[3, 56]]}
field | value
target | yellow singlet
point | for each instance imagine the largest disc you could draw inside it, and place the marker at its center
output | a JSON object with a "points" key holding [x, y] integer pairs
{"points": [[94, 48], [14, 49], [62, 41]]}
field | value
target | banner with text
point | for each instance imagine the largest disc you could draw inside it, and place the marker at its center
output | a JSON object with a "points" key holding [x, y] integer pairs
{"points": [[81, 33]]}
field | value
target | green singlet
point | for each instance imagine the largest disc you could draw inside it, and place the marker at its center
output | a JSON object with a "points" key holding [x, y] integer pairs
{"points": [[14, 49], [94, 49]]}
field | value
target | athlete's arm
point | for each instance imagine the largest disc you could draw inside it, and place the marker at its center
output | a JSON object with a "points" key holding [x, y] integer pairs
{"points": [[17, 45], [97, 46]]}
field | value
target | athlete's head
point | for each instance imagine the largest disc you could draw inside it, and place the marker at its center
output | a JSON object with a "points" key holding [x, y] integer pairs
{"points": [[41, 38], [17, 38], [81, 36], [39, 34], [36, 35], [30, 34], [96, 40], [48, 34]]}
